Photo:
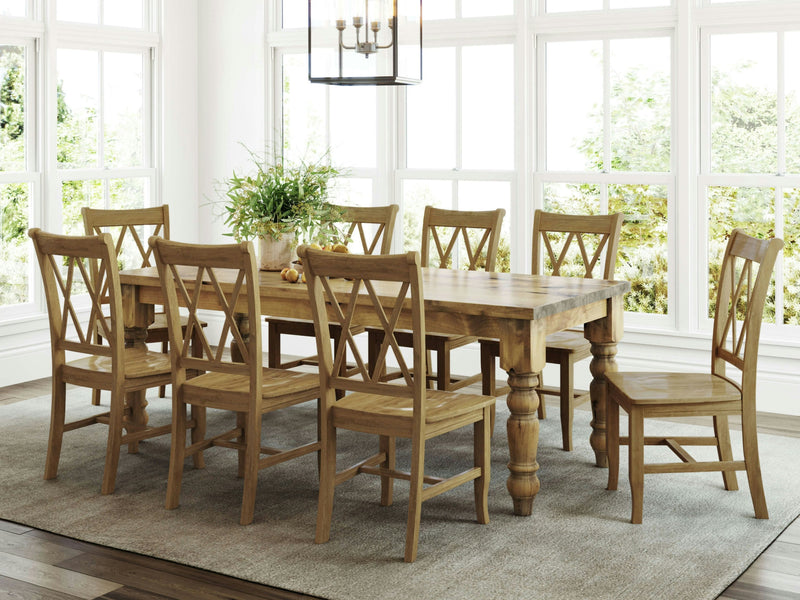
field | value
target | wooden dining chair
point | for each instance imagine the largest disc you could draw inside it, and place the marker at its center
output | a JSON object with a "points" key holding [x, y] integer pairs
{"points": [[741, 293], [478, 233], [571, 246], [377, 288], [65, 263], [128, 227], [370, 230], [189, 273]]}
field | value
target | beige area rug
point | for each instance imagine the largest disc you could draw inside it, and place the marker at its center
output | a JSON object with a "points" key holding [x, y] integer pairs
{"points": [[695, 540]]}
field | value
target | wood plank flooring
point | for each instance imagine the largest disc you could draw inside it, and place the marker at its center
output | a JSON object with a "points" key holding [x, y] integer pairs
{"points": [[37, 565]]}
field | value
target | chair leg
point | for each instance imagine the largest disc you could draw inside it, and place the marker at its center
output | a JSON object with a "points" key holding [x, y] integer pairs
{"points": [[443, 367], [198, 412], [198, 434], [177, 454], [636, 463], [374, 340], [252, 438], [96, 393], [415, 496], [488, 381], [488, 375], [387, 445], [567, 391], [723, 435], [241, 424], [753, 466], [114, 441], [542, 410], [57, 416], [612, 443], [273, 346], [327, 484], [482, 460], [429, 371], [162, 390]]}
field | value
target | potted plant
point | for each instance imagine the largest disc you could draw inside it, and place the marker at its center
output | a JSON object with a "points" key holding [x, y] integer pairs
{"points": [[281, 204]]}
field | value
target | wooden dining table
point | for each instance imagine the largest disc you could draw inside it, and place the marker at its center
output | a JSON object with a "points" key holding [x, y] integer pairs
{"points": [[519, 310]]}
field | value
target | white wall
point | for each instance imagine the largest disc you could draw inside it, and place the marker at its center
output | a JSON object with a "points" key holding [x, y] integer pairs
{"points": [[180, 148], [231, 94]]}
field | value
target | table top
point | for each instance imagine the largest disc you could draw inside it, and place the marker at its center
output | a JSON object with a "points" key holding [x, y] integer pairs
{"points": [[475, 293]]}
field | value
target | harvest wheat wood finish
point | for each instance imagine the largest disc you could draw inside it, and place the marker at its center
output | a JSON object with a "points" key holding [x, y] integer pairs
{"points": [[129, 222], [576, 244], [519, 310]]}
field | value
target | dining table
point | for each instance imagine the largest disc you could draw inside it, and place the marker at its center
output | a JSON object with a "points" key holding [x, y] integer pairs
{"points": [[516, 309]]}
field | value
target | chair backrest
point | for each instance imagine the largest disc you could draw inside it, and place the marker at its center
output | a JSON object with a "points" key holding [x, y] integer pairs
{"points": [[131, 224], [439, 224], [741, 294], [226, 277], [372, 226], [76, 255], [575, 244], [354, 290]]}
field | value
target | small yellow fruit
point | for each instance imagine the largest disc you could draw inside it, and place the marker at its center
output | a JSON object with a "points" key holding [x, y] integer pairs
{"points": [[283, 272], [292, 275], [341, 248], [303, 277], [315, 246]]}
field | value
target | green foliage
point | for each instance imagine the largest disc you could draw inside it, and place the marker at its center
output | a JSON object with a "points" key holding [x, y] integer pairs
{"points": [[280, 198]]}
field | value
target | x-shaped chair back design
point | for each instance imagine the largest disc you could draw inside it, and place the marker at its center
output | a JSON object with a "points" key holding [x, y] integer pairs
{"points": [[371, 226], [445, 228], [575, 245]]}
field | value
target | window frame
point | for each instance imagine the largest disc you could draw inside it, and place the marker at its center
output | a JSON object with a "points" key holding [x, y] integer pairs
{"points": [[46, 36]]}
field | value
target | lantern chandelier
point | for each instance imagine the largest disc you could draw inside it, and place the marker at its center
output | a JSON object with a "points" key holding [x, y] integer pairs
{"points": [[386, 33]]}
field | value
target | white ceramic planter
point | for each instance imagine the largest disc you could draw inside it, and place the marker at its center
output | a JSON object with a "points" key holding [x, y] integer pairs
{"points": [[276, 254]]}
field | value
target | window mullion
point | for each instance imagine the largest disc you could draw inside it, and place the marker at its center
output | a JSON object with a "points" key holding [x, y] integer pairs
{"points": [[607, 106]]}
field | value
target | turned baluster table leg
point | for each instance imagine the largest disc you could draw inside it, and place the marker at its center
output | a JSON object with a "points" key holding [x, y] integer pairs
{"points": [[602, 362], [523, 440], [522, 355], [603, 335], [137, 318]]}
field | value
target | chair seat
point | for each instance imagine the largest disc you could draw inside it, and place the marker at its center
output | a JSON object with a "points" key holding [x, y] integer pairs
{"points": [[228, 391], [569, 341], [672, 388], [138, 363], [360, 408]]}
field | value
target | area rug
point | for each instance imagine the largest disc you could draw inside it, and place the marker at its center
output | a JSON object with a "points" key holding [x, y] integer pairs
{"points": [[695, 540]]}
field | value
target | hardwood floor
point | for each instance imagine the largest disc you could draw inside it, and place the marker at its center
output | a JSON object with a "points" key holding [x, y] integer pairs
{"points": [[37, 565]]}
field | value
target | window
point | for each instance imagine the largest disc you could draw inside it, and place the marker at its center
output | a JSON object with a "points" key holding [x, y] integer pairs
{"points": [[319, 122], [460, 138], [118, 13], [591, 106], [751, 170], [17, 171], [99, 118], [100, 129], [605, 147]]}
